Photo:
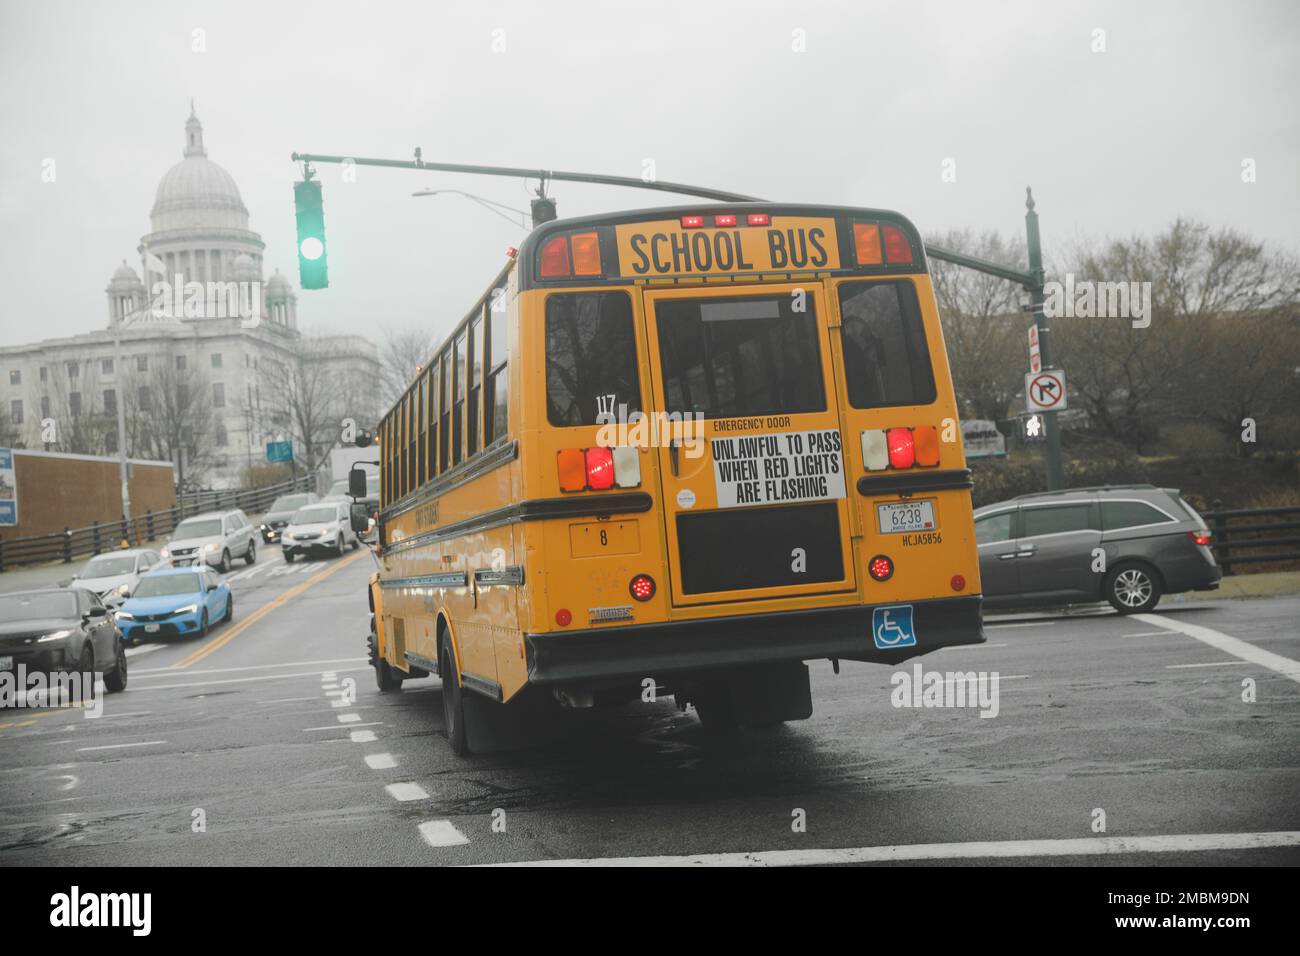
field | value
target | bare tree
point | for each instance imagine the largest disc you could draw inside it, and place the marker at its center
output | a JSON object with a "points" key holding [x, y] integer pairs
{"points": [[84, 421], [170, 417], [313, 392], [401, 353]]}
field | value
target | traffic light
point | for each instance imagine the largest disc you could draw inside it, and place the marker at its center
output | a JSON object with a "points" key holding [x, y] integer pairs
{"points": [[310, 212], [1032, 428]]}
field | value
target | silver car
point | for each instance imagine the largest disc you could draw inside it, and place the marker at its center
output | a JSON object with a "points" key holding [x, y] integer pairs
{"points": [[215, 538], [113, 575], [322, 528], [1126, 544]]}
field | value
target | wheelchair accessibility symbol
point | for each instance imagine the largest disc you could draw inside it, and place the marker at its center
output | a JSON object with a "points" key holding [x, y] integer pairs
{"points": [[892, 626]]}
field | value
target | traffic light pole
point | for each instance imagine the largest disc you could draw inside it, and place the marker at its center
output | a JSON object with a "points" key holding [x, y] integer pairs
{"points": [[1032, 280]]}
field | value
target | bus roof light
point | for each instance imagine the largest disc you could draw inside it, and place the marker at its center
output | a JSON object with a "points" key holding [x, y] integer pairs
{"points": [[572, 466], [875, 450], [927, 445], [757, 219], [692, 222], [866, 240], [555, 258], [902, 448], [586, 254], [600, 469], [897, 248], [627, 466], [727, 220]]}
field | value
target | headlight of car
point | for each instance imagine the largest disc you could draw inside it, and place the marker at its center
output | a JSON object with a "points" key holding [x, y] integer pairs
{"points": [[124, 589], [214, 546], [187, 609], [126, 614], [164, 554], [53, 636]]}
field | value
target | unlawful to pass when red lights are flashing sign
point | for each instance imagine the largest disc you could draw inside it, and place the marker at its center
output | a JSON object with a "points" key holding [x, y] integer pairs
{"points": [[779, 468]]}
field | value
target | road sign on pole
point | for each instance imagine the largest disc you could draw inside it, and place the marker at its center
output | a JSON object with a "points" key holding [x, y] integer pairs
{"points": [[279, 451], [1045, 391]]}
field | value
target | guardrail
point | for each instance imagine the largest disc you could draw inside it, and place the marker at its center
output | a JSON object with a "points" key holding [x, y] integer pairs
{"points": [[1247, 530], [107, 536]]}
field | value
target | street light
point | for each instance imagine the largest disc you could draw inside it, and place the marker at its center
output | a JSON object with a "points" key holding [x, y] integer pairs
{"points": [[488, 204]]}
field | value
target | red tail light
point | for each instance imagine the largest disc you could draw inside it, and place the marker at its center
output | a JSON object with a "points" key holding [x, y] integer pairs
{"points": [[902, 447], [1200, 537], [881, 567], [692, 222], [642, 587], [600, 469], [564, 617], [724, 220], [958, 583], [897, 248], [555, 258], [757, 219]]}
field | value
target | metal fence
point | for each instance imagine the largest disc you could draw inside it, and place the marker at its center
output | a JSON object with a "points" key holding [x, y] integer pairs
{"points": [[1253, 530], [108, 536]]}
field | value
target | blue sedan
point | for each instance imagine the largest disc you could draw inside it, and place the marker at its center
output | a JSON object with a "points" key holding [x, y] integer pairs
{"points": [[176, 601]]}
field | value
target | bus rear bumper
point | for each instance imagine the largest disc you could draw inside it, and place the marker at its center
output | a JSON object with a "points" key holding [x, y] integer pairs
{"points": [[648, 650]]}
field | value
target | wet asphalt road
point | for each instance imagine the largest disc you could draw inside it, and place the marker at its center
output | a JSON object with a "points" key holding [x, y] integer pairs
{"points": [[240, 732]]}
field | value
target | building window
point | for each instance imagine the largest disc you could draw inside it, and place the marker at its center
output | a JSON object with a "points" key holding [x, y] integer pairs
{"points": [[45, 406], [16, 411], [110, 443], [218, 395], [216, 360], [180, 363], [74, 403], [106, 366], [110, 401], [74, 369], [221, 436], [145, 398], [142, 363], [15, 377], [45, 374]]}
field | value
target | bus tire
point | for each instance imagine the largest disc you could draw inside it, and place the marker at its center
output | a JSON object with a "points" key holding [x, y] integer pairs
{"points": [[386, 679], [453, 701]]}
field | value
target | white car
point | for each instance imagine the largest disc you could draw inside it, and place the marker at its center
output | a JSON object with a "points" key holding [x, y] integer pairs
{"points": [[322, 528], [114, 574], [215, 539]]}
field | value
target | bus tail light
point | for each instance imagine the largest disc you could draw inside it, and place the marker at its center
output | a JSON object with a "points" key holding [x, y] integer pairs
{"points": [[627, 466], [692, 222], [958, 583], [1200, 537], [727, 220], [866, 239], [927, 445], [586, 254], [564, 617], [600, 468], [758, 219], [875, 450], [642, 587], [881, 567], [897, 248], [555, 258], [572, 464], [902, 448]]}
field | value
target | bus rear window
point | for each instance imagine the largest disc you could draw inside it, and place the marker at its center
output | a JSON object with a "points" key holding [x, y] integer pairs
{"points": [[590, 358], [886, 361], [727, 358]]}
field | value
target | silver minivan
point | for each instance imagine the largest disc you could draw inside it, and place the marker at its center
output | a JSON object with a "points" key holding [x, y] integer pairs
{"points": [[214, 538], [1126, 544]]}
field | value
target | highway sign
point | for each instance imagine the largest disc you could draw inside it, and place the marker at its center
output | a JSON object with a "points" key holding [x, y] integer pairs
{"points": [[279, 451], [1045, 391]]}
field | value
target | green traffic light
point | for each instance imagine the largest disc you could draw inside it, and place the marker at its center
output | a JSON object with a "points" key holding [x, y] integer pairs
{"points": [[309, 209]]}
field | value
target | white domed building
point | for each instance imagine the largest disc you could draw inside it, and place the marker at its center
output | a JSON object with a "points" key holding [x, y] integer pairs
{"points": [[210, 351]]}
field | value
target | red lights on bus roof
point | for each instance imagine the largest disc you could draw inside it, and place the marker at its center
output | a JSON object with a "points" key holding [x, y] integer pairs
{"points": [[879, 243], [570, 254]]}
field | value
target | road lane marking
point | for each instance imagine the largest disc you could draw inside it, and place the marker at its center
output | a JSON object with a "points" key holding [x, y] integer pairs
{"points": [[143, 649], [1147, 634], [442, 833], [380, 761], [405, 792], [141, 743], [989, 627], [349, 718], [1208, 664], [155, 671], [279, 601], [334, 693], [229, 680], [362, 736], [368, 723], [1228, 644], [993, 849], [285, 700], [971, 647]]}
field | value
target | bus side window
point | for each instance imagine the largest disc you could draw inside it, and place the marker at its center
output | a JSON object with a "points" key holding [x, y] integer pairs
{"points": [[444, 424], [432, 450], [496, 398], [886, 359], [458, 401], [421, 452], [405, 424], [475, 374]]}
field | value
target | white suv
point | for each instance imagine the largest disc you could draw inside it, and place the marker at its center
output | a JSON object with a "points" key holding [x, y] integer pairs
{"points": [[214, 538]]}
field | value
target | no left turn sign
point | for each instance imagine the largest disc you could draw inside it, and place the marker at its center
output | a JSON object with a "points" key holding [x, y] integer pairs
{"points": [[1045, 391]]}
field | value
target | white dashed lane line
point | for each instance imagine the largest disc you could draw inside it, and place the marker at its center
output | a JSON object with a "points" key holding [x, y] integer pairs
{"points": [[140, 743], [1228, 644], [363, 736], [406, 791], [380, 761], [442, 833], [349, 718]]}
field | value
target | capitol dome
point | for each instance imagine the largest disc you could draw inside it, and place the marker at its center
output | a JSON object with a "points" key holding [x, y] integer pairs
{"points": [[196, 193]]}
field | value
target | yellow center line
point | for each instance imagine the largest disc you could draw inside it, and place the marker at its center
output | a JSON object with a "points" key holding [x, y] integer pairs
{"points": [[264, 610]]}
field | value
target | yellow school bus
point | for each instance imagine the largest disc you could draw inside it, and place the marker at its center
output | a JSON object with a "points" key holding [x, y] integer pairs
{"points": [[682, 451]]}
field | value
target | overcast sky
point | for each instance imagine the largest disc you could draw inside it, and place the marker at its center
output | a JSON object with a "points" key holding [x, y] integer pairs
{"points": [[712, 92]]}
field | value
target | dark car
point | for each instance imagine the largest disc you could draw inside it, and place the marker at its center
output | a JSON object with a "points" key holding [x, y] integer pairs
{"points": [[281, 510], [61, 630], [1126, 544]]}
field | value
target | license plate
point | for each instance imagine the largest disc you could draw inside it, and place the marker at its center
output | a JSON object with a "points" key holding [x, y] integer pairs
{"points": [[905, 516], [151, 628], [6, 663]]}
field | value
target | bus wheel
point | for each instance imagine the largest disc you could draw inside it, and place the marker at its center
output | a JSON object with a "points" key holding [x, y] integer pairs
{"points": [[453, 701], [386, 679]]}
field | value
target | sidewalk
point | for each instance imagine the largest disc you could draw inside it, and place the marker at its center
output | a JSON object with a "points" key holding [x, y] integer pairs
{"points": [[1269, 584]]}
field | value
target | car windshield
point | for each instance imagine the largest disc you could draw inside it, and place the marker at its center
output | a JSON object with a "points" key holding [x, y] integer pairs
{"points": [[315, 515], [166, 584], [108, 567], [288, 503], [32, 607], [197, 528]]}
